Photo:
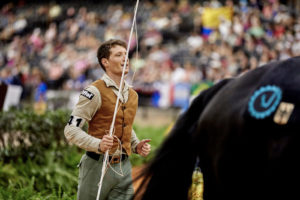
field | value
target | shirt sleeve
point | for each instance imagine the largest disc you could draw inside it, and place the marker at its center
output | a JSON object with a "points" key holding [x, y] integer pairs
{"points": [[134, 141], [88, 104]]}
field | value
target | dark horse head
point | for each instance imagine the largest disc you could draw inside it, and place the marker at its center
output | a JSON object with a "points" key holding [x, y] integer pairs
{"points": [[245, 132]]}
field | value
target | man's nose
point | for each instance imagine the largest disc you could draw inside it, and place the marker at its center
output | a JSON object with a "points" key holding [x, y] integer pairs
{"points": [[124, 58]]}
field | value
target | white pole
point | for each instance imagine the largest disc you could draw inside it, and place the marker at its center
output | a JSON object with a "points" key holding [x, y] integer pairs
{"points": [[117, 103]]}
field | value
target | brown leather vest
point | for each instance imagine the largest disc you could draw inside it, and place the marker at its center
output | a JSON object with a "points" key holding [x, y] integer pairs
{"points": [[100, 123]]}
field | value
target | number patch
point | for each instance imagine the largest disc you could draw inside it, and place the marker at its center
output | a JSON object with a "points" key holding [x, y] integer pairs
{"points": [[75, 121], [87, 94]]}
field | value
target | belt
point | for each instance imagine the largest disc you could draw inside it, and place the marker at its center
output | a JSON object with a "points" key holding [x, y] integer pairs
{"points": [[112, 159]]}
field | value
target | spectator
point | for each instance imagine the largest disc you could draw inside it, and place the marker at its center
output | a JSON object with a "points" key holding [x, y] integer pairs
{"points": [[55, 38]]}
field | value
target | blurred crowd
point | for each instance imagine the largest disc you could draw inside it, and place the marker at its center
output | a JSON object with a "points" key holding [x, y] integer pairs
{"points": [[53, 46]]}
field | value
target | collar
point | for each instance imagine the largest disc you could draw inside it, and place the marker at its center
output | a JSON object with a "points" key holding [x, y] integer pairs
{"points": [[110, 83]]}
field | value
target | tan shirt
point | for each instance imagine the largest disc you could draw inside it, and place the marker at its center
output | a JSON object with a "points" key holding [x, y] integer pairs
{"points": [[89, 102]]}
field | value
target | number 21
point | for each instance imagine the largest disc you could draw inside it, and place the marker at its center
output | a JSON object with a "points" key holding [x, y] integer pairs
{"points": [[78, 120]]}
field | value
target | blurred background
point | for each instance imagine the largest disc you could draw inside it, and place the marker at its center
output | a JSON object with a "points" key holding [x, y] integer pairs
{"points": [[48, 55]]}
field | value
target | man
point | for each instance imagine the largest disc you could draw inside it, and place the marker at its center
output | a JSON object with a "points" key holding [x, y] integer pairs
{"points": [[96, 106]]}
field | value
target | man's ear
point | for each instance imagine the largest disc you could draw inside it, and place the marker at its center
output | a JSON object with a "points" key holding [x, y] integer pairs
{"points": [[104, 62]]}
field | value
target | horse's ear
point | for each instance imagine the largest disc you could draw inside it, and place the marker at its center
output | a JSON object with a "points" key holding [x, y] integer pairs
{"points": [[171, 169]]}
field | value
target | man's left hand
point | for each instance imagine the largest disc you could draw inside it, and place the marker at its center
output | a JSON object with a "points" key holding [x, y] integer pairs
{"points": [[143, 148]]}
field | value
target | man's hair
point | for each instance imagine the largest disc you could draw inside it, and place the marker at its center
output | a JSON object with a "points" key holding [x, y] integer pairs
{"points": [[104, 49]]}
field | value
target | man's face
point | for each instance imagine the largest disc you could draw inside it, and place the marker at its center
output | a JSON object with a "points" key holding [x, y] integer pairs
{"points": [[116, 61]]}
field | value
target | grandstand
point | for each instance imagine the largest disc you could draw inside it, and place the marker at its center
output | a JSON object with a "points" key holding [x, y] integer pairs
{"points": [[183, 46]]}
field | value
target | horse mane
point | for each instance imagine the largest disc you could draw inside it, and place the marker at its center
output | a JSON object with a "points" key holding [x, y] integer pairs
{"points": [[173, 165]]}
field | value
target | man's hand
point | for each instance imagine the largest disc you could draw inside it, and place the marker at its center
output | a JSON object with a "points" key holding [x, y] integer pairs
{"points": [[106, 143], [143, 148]]}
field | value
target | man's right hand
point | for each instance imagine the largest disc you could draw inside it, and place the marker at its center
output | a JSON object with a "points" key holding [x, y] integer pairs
{"points": [[106, 143]]}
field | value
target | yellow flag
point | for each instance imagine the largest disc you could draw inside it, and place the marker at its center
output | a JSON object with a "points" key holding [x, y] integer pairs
{"points": [[211, 16]]}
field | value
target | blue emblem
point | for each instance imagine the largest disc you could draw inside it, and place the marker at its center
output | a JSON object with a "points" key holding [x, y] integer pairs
{"points": [[264, 101]]}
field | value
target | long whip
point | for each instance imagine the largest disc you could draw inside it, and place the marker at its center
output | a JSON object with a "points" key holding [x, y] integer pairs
{"points": [[105, 160]]}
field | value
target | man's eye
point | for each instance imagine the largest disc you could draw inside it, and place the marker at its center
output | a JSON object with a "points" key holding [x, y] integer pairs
{"points": [[121, 54]]}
